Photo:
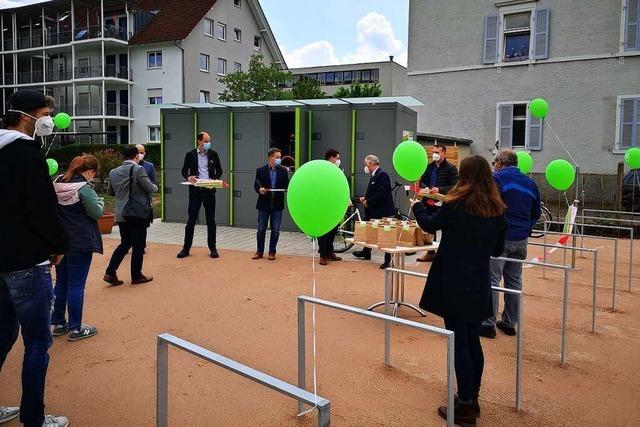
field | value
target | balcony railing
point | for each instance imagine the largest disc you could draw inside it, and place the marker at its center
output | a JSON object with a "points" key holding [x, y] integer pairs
{"points": [[85, 72], [53, 37], [30, 77], [8, 44], [122, 110], [26, 40], [58, 75], [118, 71], [8, 79], [88, 110], [97, 31]]}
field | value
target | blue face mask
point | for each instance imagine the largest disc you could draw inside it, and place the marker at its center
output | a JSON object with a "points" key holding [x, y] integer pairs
{"points": [[207, 146], [278, 161]]}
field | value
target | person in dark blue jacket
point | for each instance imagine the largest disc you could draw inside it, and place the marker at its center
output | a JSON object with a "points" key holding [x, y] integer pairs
{"points": [[149, 167], [520, 194], [79, 208]]}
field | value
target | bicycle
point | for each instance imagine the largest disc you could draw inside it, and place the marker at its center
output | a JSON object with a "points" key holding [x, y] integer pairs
{"points": [[540, 227]]}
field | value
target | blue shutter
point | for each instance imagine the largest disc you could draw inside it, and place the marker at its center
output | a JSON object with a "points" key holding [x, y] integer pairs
{"points": [[535, 133], [632, 29], [490, 52], [541, 38], [505, 115]]}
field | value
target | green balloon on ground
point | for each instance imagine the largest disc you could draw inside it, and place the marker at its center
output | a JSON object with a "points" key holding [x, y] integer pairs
{"points": [[53, 166], [560, 174], [632, 157], [410, 160], [539, 108], [62, 120], [525, 161], [318, 197]]}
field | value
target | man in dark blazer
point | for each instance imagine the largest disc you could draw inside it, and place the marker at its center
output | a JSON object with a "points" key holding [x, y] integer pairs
{"points": [[270, 203], [201, 163], [377, 201], [149, 167]]}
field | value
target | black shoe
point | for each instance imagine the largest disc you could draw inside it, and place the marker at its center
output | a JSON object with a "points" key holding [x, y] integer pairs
{"points": [[464, 415], [487, 331], [182, 254], [476, 404], [384, 266], [506, 329], [362, 254], [214, 254]]}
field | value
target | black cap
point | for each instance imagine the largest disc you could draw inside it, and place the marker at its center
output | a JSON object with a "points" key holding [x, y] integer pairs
{"points": [[26, 100]]}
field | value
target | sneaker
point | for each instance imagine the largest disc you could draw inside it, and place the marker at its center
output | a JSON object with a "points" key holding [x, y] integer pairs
{"points": [[7, 413], [488, 331], [84, 331], [508, 330], [60, 329], [55, 421]]}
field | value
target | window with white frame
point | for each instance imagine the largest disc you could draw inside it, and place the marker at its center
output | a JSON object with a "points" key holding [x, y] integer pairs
{"points": [[257, 42], [517, 37], [154, 96], [516, 128], [208, 27], [205, 96], [237, 67], [628, 122], [221, 31], [154, 59], [204, 62], [154, 134], [237, 3], [632, 25], [237, 34], [222, 67]]}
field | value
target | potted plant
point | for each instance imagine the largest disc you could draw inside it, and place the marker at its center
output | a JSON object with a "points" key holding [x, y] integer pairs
{"points": [[108, 159]]}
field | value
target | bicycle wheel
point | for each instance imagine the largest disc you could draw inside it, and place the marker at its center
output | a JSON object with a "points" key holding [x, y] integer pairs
{"points": [[538, 229], [340, 245]]}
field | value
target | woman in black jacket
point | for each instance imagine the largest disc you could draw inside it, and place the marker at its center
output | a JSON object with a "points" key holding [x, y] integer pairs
{"points": [[458, 288]]}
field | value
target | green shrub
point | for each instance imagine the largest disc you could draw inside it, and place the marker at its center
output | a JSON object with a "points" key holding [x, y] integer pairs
{"points": [[65, 154]]}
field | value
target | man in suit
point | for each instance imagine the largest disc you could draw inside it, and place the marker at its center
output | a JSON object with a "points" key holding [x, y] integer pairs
{"points": [[201, 163], [149, 168], [133, 232], [270, 204], [377, 201], [325, 242]]}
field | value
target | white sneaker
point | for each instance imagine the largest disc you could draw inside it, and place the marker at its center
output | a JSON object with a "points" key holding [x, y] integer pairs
{"points": [[55, 421], [7, 413]]}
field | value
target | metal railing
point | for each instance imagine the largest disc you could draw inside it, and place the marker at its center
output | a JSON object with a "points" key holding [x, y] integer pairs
{"points": [[84, 72], [26, 41], [117, 71], [8, 44], [162, 379], [302, 300], [88, 110], [97, 31], [121, 110], [53, 37], [58, 75], [27, 77]]}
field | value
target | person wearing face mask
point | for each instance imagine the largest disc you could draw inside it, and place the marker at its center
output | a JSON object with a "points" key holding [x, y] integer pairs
{"points": [[325, 243], [33, 238], [270, 204], [377, 201], [201, 163], [79, 207], [440, 177], [149, 168]]}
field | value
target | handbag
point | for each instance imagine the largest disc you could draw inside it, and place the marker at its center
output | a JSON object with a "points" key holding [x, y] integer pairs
{"points": [[134, 211]]}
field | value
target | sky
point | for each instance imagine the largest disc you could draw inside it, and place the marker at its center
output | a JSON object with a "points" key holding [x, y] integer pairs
{"points": [[331, 32]]}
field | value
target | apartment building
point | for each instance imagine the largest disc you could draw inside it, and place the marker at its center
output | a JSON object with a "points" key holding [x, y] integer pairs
{"points": [[110, 63], [477, 64]]}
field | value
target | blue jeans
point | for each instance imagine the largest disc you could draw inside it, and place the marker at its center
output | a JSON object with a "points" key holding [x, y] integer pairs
{"points": [[71, 278], [263, 220], [25, 302]]}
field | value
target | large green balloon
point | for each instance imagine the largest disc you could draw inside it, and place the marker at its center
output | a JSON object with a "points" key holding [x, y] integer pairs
{"points": [[318, 197], [410, 160], [62, 120], [525, 162], [53, 166], [560, 174], [632, 157], [539, 108]]}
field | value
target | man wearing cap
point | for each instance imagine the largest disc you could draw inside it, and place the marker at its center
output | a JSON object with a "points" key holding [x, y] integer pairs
{"points": [[33, 238]]}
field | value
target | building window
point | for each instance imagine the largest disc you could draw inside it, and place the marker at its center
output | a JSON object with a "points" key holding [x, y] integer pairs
{"points": [[257, 42], [154, 134], [366, 75], [375, 75], [339, 77], [632, 25], [221, 31], [356, 75], [347, 76], [222, 67], [154, 96], [313, 76], [237, 67], [517, 36], [205, 96], [237, 3], [154, 59], [628, 122], [322, 78], [208, 27], [516, 128], [331, 78], [204, 62], [237, 34]]}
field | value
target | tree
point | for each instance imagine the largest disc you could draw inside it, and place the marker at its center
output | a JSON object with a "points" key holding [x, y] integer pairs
{"points": [[357, 90], [259, 83], [305, 88]]}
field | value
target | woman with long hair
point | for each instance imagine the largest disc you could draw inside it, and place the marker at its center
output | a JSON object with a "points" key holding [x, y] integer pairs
{"points": [[458, 288], [79, 207]]}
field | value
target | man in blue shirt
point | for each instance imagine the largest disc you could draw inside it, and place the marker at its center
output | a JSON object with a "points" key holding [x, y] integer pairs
{"points": [[520, 194]]}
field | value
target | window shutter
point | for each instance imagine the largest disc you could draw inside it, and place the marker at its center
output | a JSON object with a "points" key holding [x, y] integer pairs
{"points": [[631, 39], [541, 47], [505, 113], [627, 114], [535, 133], [490, 54]]}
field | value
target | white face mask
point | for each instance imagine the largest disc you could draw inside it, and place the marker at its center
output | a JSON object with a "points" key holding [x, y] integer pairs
{"points": [[140, 156], [44, 125], [436, 157], [366, 170], [337, 163]]}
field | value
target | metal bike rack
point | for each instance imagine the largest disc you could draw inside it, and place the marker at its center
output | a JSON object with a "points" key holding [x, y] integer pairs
{"points": [[164, 340], [302, 300], [611, 212]]}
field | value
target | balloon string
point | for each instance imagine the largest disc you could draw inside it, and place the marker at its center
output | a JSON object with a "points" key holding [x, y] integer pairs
{"points": [[560, 142]]}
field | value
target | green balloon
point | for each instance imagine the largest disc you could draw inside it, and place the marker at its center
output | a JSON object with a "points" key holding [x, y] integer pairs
{"points": [[62, 120], [318, 197], [525, 161], [410, 160], [53, 166], [539, 108], [560, 174], [632, 157]]}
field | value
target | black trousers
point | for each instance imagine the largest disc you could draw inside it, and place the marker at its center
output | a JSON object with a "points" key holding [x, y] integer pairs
{"points": [[197, 198], [325, 243], [469, 359], [134, 237]]}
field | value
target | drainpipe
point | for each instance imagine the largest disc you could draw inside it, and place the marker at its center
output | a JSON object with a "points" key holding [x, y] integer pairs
{"points": [[175, 43]]}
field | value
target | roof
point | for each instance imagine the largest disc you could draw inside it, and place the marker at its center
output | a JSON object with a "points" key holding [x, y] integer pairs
{"points": [[340, 67], [407, 101], [168, 24]]}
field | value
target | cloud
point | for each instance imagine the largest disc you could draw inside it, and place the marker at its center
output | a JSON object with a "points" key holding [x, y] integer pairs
{"points": [[375, 40], [4, 4]]}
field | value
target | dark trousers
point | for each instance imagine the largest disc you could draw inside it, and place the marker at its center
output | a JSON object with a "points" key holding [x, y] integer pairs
{"points": [[25, 303], [197, 198], [469, 360], [264, 217], [71, 278], [134, 237], [387, 257], [325, 243]]}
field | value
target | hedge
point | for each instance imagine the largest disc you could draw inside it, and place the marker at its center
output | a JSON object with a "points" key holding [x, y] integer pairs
{"points": [[65, 154]]}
